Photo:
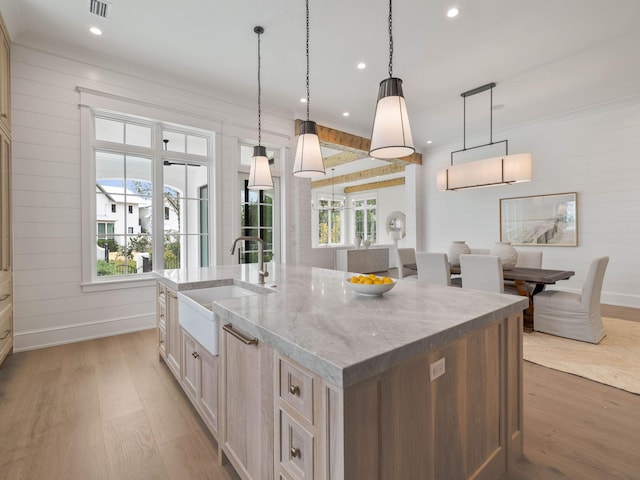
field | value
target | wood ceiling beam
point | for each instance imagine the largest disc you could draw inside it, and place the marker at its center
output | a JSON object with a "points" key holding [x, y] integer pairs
{"points": [[348, 142], [375, 185], [357, 176], [342, 158]]}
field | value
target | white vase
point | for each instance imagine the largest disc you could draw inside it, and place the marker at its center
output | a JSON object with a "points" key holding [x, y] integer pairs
{"points": [[457, 248], [357, 241], [366, 244], [508, 255]]}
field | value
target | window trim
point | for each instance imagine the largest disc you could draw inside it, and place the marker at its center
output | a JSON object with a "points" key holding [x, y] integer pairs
{"points": [[131, 110]]}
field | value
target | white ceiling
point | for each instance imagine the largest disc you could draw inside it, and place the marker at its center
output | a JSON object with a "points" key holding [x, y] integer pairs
{"points": [[546, 56]]}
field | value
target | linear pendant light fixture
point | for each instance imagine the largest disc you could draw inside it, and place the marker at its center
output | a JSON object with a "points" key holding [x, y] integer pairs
{"points": [[308, 162], [489, 172], [260, 173], [391, 134]]}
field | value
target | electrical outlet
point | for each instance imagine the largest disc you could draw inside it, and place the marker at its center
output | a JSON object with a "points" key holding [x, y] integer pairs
{"points": [[436, 369]]}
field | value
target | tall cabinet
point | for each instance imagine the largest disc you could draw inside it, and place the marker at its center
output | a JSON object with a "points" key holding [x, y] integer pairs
{"points": [[6, 277]]}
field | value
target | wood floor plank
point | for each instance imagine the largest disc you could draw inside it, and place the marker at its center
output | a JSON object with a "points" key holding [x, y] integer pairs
{"points": [[131, 449], [190, 457], [118, 394]]}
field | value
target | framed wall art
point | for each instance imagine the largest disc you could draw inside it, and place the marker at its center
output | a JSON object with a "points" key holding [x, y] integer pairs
{"points": [[540, 220]]}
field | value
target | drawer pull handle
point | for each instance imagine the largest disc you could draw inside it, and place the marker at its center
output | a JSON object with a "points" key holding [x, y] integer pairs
{"points": [[294, 390], [3, 115], [161, 342], [162, 315], [4, 297], [6, 334], [195, 354], [295, 452], [247, 341]]}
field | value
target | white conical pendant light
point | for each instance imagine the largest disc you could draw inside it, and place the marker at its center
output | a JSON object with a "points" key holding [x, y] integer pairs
{"points": [[391, 134], [260, 173], [308, 162]]}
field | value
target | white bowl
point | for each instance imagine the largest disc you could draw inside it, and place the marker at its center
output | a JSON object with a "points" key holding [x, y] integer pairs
{"points": [[370, 290]]}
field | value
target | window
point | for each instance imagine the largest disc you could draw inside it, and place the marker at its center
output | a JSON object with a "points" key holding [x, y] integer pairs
{"points": [[256, 219], [366, 226], [329, 222], [133, 167]]}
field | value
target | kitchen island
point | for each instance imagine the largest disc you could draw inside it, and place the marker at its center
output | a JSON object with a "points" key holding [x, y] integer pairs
{"points": [[316, 381]]}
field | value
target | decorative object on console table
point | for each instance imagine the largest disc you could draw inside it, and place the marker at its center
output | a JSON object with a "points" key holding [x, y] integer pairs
{"points": [[457, 248], [366, 244], [357, 241], [540, 220], [508, 255]]}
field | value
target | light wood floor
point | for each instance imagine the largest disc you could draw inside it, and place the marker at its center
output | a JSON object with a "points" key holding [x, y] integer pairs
{"points": [[109, 409]]}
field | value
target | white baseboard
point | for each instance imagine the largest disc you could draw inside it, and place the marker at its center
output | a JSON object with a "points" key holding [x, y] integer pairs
{"points": [[42, 338]]}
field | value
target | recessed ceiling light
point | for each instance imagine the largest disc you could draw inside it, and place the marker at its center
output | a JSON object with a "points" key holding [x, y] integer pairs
{"points": [[345, 114], [362, 65], [453, 12], [95, 31], [429, 141], [303, 100]]}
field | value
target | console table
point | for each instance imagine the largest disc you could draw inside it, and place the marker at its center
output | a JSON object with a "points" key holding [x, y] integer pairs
{"points": [[367, 260]]}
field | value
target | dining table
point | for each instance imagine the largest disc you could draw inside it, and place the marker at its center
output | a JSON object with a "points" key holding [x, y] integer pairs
{"points": [[529, 282]]}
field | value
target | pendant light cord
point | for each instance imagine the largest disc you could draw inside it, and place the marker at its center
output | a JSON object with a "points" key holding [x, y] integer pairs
{"points": [[307, 52], [390, 40], [259, 95]]}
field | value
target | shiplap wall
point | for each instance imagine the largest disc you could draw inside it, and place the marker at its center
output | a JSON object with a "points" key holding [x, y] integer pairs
{"points": [[50, 305], [594, 152]]}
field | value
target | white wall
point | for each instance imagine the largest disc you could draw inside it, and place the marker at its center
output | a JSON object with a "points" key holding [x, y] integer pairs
{"points": [[50, 304], [593, 152]]}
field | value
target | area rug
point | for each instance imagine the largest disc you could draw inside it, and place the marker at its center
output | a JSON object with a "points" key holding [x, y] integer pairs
{"points": [[614, 361]]}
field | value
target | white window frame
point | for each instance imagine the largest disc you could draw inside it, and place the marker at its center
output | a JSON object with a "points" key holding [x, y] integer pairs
{"points": [[131, 110], [315, 218], [364, 198]]}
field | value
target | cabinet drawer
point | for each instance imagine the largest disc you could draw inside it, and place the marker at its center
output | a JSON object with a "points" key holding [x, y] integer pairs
{"points": [[296, 388], [296, 448], [6, 328], [162, 341], [162, 315], [162, 293]]}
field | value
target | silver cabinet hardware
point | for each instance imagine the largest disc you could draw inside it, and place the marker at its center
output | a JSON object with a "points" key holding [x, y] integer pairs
{"points": [[247, 341]]}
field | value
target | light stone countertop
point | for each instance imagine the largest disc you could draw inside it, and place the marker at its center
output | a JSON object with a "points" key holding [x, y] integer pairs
{"points": [[313, 317]]}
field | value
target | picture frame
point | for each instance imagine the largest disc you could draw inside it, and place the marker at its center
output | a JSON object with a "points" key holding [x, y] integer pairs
{"points": [[550, 220]]}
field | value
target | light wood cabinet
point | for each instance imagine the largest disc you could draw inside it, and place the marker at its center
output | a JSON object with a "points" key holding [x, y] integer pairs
{"points": [[6, 317], [173, 342], [169, 338], [200, 380], [6, 275], [161, 315], [297, 445], [247, 393], [5, 77]]}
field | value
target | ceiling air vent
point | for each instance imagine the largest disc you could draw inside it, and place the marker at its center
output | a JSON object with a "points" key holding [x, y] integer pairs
{"points": [[100, 8]]}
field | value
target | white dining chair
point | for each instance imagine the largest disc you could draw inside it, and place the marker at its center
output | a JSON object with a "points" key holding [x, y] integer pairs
{"points": [[433, 267], [529, 258], [573, 315], [482, 272], [405, 256]]}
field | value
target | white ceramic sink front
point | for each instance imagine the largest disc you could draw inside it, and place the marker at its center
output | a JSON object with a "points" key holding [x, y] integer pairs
{"points": [[196, 315]]}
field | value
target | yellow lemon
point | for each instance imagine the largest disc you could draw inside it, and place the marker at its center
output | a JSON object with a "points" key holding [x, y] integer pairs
{"points": [[387, 280]]}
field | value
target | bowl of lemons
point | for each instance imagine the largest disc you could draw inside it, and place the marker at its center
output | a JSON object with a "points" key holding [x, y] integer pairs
{"points": [[370, 285]]}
